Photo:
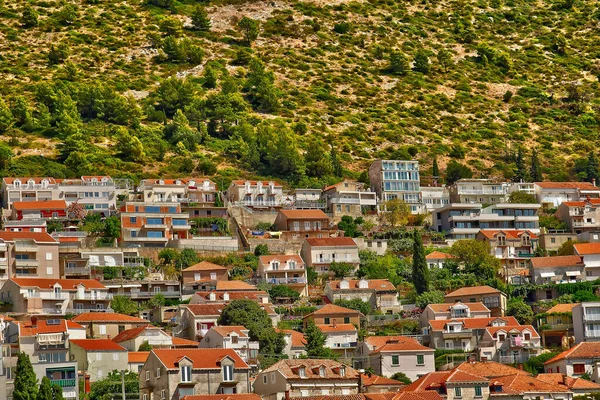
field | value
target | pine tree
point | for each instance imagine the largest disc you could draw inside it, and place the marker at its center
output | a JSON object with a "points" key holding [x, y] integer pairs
{"points": [[592, 168], [6, 116], [420, 272], [399, 63], [335, 163], [536, 170], [200, 19], [29, 17], [315, 342], [520, 172], [57, 392], [435, 171], [422, 62], [45, 392], [25, 386]]}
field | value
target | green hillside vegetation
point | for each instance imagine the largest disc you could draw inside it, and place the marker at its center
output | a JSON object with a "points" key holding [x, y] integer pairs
{"points": [[301, 91]]}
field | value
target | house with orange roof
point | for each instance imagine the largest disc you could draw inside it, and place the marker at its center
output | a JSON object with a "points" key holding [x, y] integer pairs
{"points": [[586, 321], [319, 253], [234, 286], [306, 377], [341, 338], [509, 344], [579, 360], [557, 324], [23, 189], [513, 247], [256, 194], [557, 269], [349, 198], [590, 252], [98, 357], [437, 259], [28, 254], [387, 355], [451, 385], [295, 343], [381, 294], [296, 225], [55, 296], [41, 209], [222, 297], [453, 310], [26, 225], [553, 194], [133, 338], [371, 383], [203, 276], [232, 337], [579, 386], [97, 194], [330, 313], [492, 298], [174, 374], [244, 396], [136, 360], [195, 320], [279, 269], [107, 325], [580, 216], [150, 224]]}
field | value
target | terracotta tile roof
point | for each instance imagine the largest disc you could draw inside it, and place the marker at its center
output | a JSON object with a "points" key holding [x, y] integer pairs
{"points": [[397, 344], [566, 185], [471, 323], [26, 328], [174, 181], [108, 318], [244, 396], [137, 357], [332, 309], [583, 350], [283, 258], [227, 330], [356, 396], [74, 325], [513, 234], [493, 330], [562, 308], [593, 202], [97, 345], [200, 358], [298, 339], [418, 395], [557, 261], [336, 328], [290, 368], [572, 383], [24, 180], [132, 333], [179, 342], [375, 380], [205, 266], [438, 379], [489, 369], [205, 309], [438, 255], [473, 290], [304, 214], [240, 295], [380, 285], [383, 395], [39, 237], [40, 205], [334, 241], [234, 285], [520, 383], [445, 307], [253, 183], [66, 284], [587, 248]]}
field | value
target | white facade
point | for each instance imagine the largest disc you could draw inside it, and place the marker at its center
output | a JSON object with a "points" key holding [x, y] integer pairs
{"points": [[397, 179], [586, 322]]}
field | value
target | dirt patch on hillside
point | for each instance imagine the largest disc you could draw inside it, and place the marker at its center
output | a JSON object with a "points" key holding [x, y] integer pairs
{"points": [[498, 89]]}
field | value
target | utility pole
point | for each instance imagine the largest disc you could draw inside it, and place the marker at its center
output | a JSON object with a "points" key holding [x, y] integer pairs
{"points": [[123, 384]]}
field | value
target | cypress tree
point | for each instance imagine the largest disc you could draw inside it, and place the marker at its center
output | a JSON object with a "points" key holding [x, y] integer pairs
{"points": [[536, 170], [57, 392], [592, 168], [337, 167], [45, 392], [26, 387], [520, 173], [435, 169], [420, 272]]}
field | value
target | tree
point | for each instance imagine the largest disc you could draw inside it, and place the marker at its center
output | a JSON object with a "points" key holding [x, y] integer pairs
{"points": [[567, 249], [124, 305], [592, 168], [401, 377], [335, 163], [112, 227], [315, 342], [517, 308], [45, 390], [200, 19], [158, 300], [57, 392], [261, 250], [249, 29], [174, 94], [535, 364], [5, 155], [168, 256], [431, 297], [535, 171], [67, 14], [283, 293], [522, 198], [456, 171], [435, 170], [105, 388], [396, 213], [171, 26], [25, 385], [399, 63], [6, 117], [186, 258], [445, 59], [422, 62], [471, 251], [581, 296], [210, 77], [341, 269], [520, 170], [420, 273], [145, 346], [318, 162], [355, 304], [29, 16]]}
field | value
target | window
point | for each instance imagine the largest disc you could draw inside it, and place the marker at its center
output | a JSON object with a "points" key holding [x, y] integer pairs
{"points": [[228, 373], [420, 359], [579, 368], [324, 391], [302, 372], [132, 220], [163, 394], [477, 391], [501, 338], [48, 256], [527, 336], [147, 375], [395, 360], [115, 356], [234, 339], [304, 393], [133, 233], [186, 373], [98, 356], [102, 329], [145, 397], [265, 379], [342, 371], [327, 321], [457, 392], [158, 372], [322, 372], [346, 320], [49, 271]]}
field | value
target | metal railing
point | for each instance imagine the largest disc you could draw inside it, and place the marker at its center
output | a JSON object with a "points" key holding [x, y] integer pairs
{"points": [[170, 293], [47, 295], [278, 281], [94, 296], [77, 270], [64, 383]]}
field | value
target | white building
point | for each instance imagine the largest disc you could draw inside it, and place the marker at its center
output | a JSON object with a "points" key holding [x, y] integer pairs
{"points": [[397, 179], [586, 322], [590, 253]]}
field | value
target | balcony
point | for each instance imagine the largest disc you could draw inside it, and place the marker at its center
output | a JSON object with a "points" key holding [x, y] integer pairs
{"points": [[64, 383], [519, 342], [77, 271], [30, 263], [147, 295], [342, 200], [339, 260], [389, 304], [465, 334], [591, 317], [152, 225], [280, 281], [93, 296], [46, 295], [26, 247], [251, 203], [343, 345]]}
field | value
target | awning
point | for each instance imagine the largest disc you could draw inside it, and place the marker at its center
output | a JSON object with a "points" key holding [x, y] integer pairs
{"points": [[547, 274], [573, 273]]}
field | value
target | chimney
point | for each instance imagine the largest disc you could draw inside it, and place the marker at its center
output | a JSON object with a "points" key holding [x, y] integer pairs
{"points": [[287, 395], [334, 323], [521, 367]]}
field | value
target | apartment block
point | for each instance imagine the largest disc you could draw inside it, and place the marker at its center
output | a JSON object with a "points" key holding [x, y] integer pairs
{"points": [[397, 179], [153, 224], [434, 197], [296, 225], [590, 253], [553, 194], [349, 198], [492, 298], [380, 294], [283, 270], [586, 322], [28, 254], [260, 194], [319, 253], [478, 191], [97, 194], [28, 189], [43, 209], [514, 248], [580, 216]]}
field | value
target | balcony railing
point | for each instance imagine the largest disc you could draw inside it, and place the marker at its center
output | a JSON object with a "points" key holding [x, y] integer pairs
{"points": [[93, 296], [47, 295], [77, 270], [83, 310], [279, 281], [135, 295], [592, 317], [343, 345], [389, 304], [26, 263], [340, 260], [63, 383]]}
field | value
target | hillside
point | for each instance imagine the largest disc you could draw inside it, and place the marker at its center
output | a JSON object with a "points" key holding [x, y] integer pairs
{"points": [[142, 88]]}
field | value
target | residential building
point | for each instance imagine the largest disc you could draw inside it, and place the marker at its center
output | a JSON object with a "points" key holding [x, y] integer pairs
{"points": [[434, 197], [43, 209], [375, 245], [514, 248], [295, 343], [462, 333], [580, 216], [174, 374], [557, 269], [397, 179], [492, 298], [203, 276], [24, 254], [371, 383], [437, 259], [484, 191], [133, 338], [144, 289], [107, 325], [523, 187], [341, 338], [457, 220], [300, 224], [136, 360], [96, 194], [259, 194], [551, 240], [586, 322], [195, 320], [232, 337], [306, 377], [308, 198], [511, 216], [552, 194], [223, 297], [28, 189], [381, 294], [349, 198], [319, 253], [509, 344], [234, 286], [445, 311], [283, 270], [26, 225], [579, 386], [330, 314], [556, 325], [387, 355], [98, 357], [579, 360], [55, 296], [452, 385], [92, 263], [590, 253], [153, 224]]}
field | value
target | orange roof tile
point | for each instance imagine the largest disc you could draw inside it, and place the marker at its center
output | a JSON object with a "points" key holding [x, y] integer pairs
{"points": [[493, 330], [244, 396], [438, 379], [24, 180], [445, 307], [179, 342], [26, 328], [438, 255], [200, 358], [524, 383], [240, 182], [227, 330], [204, 266], [557, 261], [572, 383], [132, 333], [562, 308], [583, 350], [108, 317], [304, 214], [234, 285], [418, 395], [513, 234], [40, 205], [65, 284], [298, 339], [380, 285], [473, 290], [336, 328], [39, 237], [281, 258], [587, 248], [567, 185], [334, 241], [399, 343], [237, 295], [332, 309], [471, 323], [375, 380], [137, 357], [205, 309], [97, 345], [489, 369], [290, 369]]}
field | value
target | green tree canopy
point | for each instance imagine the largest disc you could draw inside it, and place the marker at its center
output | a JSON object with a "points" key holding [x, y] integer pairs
{"points": [[517, 308], [420, 274], [249, 29], [124, 305], [430, 297], [355, 304], [522, 198], [25, 385], [401, 377], [283, 292], [341, 269], [315, 342]]}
